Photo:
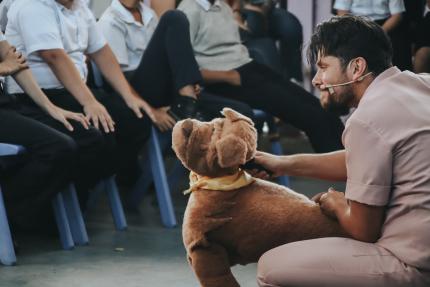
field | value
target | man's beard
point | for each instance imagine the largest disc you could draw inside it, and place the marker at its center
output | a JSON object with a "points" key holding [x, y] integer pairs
{"points": [[339, 105]]}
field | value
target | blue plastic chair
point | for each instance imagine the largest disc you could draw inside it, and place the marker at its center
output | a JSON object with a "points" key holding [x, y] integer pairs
{"points": [[275, 144], [109, 187], [160, 180], [118, 215], [58, 205], [154, 169], [74, 214], [62, 219], [7, 252]]}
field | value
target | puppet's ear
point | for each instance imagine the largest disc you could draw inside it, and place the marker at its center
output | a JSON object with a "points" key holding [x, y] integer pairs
{"points": [[233, 116], [231, 151]]}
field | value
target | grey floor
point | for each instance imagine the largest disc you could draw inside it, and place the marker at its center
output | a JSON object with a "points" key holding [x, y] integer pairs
{"points": [[147, 254]]}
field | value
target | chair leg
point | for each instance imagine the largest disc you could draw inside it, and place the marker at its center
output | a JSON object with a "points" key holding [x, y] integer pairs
{"points": [[62, 222], [7, 252], [141, 187], [160, 179], [115, 204], [145, 179], [74, 215]]}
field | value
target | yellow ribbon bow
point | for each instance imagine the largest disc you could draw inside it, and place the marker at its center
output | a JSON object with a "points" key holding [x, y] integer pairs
{"points": [[223, 183]]}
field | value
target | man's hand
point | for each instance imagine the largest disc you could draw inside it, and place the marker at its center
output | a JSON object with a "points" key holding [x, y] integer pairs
{"points": [[234, 78], [361, 221], [97, 114], [331, 202], [12, 63], [63, 116], [161, 118], [270, 162], [231, 77], [137, 105]]}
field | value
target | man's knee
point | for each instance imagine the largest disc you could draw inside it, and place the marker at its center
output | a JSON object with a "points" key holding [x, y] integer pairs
{"points": [[56, 148], [286, 265], [95, 140], [266, 272], [174, 17]]}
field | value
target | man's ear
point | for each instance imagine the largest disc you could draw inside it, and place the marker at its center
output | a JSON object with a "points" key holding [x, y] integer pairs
{"points": [[231, 151], [359, 69], [234, 116]]}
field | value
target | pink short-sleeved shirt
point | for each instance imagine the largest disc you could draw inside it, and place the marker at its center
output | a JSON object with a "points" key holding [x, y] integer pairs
{"points": [[387, 143]]}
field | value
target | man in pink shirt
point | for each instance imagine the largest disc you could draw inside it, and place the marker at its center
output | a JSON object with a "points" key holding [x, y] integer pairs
{"points": [[385, 163]]}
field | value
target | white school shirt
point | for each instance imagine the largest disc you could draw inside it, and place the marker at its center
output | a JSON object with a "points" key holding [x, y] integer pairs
{"points": [[374, 9], [4, 7], [36, 25], [127, 37]]}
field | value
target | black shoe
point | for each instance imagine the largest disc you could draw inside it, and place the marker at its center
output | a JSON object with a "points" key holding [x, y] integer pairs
{"points": [[182, 108]]}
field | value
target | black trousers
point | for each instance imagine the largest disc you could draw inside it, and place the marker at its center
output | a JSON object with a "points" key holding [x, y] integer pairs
{"points": [[99, 154], [422, 37], [168, 63], [264, 31], [264, 89], [30, 181]]}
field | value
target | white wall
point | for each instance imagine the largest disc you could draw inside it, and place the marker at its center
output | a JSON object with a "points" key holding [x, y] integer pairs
{"points": [[303, 9]]}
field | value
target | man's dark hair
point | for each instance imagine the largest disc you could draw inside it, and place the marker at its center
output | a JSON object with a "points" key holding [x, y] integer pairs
{"points": [[348, 37]]}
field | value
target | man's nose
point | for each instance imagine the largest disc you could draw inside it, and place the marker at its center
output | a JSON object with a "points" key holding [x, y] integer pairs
{"points": [[316, 81]]}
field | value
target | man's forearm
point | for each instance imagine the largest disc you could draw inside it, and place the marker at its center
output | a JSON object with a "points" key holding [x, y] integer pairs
{"points": [[3, 72], [67, 73], [392, 22], [342, 12], [109, 67], [26, 81], [328, 166], [111, 71], [213, 77], [235, 4], [362, 222]]}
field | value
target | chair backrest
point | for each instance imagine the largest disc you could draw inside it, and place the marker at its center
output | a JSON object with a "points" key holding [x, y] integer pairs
{"points": [[7, 253], [10, 149]]}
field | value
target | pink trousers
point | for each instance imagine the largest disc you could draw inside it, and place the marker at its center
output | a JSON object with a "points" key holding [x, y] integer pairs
{"points": [[336, 262]]}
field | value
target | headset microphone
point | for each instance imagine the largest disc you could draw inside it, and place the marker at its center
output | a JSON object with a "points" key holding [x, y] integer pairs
{"points": [[330, 87]]}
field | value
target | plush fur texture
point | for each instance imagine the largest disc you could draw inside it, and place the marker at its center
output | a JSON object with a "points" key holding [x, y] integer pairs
{"points": [[224, 228]]}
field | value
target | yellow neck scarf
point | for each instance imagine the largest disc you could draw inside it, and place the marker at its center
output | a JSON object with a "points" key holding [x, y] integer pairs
{"points": [[223, 183]]}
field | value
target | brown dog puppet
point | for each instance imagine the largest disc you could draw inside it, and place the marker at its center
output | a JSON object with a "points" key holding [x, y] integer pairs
{"points": [[232, 217]]}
